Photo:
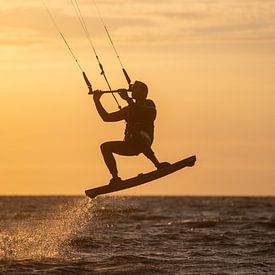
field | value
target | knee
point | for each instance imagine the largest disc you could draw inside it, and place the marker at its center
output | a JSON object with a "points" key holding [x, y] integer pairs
{"points": [[105, 147]]}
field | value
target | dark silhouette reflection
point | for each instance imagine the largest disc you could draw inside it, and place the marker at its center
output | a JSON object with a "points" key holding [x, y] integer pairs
{"points": [[139, 115]]}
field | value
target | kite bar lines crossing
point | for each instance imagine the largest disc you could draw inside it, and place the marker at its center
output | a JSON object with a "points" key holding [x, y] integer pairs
{"points": [[88, 36], [83, 24], [112, 43]]}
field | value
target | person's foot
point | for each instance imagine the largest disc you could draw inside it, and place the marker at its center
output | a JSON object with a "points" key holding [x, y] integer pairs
{"points": [[115, 180], [162, 165]]}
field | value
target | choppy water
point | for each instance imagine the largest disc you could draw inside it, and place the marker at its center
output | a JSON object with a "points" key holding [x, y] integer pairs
{"points": [[137, 235]]}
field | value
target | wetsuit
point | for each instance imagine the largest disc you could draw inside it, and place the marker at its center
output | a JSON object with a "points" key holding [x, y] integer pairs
{"points": [[139, 132]]}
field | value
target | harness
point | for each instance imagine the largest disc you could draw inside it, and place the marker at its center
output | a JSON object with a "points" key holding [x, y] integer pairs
{"points": [[140, 121]]}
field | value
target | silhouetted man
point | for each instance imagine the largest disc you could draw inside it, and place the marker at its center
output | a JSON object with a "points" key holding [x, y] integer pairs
{"points": [[139, 133]]}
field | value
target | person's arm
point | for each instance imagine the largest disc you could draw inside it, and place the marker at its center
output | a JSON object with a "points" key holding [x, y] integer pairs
{"points": [[107, 117], [124, 95]]}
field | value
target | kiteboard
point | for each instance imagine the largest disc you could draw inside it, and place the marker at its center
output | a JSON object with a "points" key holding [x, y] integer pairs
{"points": [[141, 178]]}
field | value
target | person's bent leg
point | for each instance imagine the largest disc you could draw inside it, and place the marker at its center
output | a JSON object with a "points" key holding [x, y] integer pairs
{"points": [[107, 152], [118, 147], [149, 153]]}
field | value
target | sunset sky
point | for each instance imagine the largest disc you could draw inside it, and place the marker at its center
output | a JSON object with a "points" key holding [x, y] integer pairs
{"points": [[209, 65]]}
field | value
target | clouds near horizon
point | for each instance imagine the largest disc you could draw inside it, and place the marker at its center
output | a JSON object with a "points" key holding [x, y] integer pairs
{"points": [[154, 22]]}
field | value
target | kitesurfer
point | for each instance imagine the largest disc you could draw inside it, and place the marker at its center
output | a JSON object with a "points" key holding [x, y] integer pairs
{"points": [[139, 133]]}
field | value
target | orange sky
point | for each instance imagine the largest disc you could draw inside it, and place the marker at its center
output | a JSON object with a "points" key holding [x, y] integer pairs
{"points": [[210, 69]]}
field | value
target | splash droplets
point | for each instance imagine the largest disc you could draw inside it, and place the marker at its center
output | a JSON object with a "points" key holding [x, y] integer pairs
{"points": [[48, 237]]}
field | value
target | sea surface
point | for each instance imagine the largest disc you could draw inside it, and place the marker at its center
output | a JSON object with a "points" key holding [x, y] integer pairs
{"points": [[137, 235]]}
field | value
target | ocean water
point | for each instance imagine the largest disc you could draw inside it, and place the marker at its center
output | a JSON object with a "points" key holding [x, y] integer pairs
{"points": [[137, 235]]}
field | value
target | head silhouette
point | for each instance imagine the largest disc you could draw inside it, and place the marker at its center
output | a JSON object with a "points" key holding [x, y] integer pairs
{"points": [[139, 90]]}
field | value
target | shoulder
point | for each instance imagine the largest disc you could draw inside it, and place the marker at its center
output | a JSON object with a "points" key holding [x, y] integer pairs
{"points": [[150, 103]]}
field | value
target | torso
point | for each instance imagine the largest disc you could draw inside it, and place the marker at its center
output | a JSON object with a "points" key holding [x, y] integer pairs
{"points": [[140, 119]]}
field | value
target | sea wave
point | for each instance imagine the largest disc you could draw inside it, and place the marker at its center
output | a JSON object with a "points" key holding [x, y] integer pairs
{"points": [[137, 235]]}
